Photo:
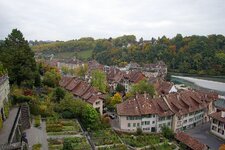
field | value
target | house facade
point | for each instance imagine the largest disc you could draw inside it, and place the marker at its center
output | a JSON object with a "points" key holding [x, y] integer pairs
{"points": [[145, 113], [218, 124], [4, 92], [178, 111]]}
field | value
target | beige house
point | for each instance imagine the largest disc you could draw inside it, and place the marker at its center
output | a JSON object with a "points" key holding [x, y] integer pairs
{"points": [[4, 92], [179, 111], [218, 124], [145, 113]]}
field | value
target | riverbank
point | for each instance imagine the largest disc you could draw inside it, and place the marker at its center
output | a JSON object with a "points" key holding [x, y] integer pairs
{"points": [[204, 77], [197, 83]]}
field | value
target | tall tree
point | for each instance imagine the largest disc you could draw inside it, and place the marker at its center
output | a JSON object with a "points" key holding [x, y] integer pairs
{"points": [[17, 57], [98, 80]]}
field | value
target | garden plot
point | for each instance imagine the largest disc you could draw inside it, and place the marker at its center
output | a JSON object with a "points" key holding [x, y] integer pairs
{"points": [[65, 133], [104, 137], [147, 141], [62, 127], [76, 143]]}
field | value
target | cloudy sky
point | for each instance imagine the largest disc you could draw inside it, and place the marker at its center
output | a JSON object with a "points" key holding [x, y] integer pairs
{"points": [[71, 19]]}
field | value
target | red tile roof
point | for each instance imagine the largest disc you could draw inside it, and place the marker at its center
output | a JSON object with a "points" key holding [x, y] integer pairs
{"points": [[218, 116], [187, 101], [81, 89], [190, 141], [143, 105]]}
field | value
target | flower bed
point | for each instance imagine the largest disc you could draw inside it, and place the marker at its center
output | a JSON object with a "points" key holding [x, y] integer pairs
{"points": [[104, 137]]}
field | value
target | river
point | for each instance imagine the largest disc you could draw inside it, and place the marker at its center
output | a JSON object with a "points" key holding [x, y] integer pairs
{"points": [[196, 83]]}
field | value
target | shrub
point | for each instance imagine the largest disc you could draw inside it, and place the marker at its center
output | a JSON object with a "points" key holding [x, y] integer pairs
{"points": [[37, 121], [67, 114], [167, 132], [139, 131], [36, 147]]}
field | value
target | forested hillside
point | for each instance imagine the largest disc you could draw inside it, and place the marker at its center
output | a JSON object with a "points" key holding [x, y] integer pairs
{"points": [[191, 54]]}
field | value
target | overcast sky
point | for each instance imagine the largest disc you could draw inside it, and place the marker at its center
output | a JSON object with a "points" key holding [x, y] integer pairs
{"points": [[72, 19]]}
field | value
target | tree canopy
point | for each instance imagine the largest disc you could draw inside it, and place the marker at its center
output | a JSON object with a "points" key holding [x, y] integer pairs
{"points": [[141, 87], [18, 58], [98, 80]]}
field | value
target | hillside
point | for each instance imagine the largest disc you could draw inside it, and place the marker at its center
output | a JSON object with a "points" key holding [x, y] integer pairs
{"points": [[191, 54]]}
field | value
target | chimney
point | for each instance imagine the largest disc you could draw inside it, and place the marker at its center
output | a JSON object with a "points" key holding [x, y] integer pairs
{"points": [[223, 114]]}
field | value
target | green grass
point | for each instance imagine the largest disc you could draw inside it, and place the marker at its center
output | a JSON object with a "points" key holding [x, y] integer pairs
{"points": [[84, 55]]}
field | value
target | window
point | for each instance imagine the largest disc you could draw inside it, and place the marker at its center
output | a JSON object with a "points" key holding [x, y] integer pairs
{"points": [[153, 122], [142, 123], [138, 124], [134, 124], [147, 122], [97, 103], [191, 119], [168, 123], [128, 124]]}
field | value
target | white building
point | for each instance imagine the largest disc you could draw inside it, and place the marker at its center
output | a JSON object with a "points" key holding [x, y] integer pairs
{"points": [[179, 111], [218, 124], [145, 113]]}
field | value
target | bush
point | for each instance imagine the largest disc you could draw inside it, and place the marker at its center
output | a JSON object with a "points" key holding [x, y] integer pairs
{"points": [[67, 114], [37, 121], [36, 147], [139, 131], [167, 132]]}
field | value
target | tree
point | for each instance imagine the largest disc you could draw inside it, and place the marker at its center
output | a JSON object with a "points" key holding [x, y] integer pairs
{"points": [[98, 80], [120, 88], [90, 117], [167, 132], [141, 87], [58, 94], [51, 78], [116, 99], [81, 70], [18, 58]]}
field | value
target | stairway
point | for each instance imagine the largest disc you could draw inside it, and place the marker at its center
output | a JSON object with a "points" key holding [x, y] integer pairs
{"points": [[25, 117]]}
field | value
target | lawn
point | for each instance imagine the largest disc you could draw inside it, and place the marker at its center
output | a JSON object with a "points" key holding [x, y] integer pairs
{"points": [[79, 54], [104, 137], [62, 127]]}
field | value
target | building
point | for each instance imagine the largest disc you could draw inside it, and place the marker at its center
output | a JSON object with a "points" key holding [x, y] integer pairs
{"points": [[218, 124], [4, 92], [190, 142], [145, 113], [83, 90], [70, 63], [178, 111], [190, 108]]}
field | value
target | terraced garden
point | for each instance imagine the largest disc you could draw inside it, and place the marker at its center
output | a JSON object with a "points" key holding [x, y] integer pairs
{"points": [[104, 137], [65, 133], [62, 127]]}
